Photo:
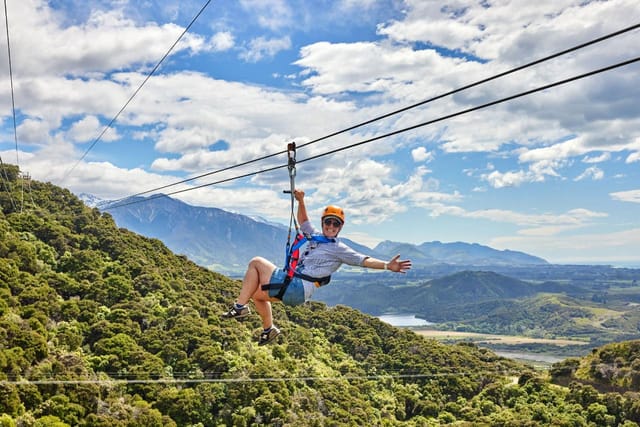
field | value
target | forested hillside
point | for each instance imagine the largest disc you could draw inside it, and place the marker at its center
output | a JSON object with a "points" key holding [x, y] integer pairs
{"points": [[102, 327], [613, 366]]}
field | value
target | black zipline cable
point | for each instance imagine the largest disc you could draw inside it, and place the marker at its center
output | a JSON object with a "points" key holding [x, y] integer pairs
{"points": [[13, 104], [157, 196], [401, 110], [477, 83], [5, 176], [203, 175], [241, 379], [108, 126], [216, 376], [396, 132], [479, 107]]}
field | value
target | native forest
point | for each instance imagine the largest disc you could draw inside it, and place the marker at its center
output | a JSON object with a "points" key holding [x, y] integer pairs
{"points": [[102, 327]]}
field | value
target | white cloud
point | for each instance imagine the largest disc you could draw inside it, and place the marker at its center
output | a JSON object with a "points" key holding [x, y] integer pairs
{"points": [[633, 157], [506, 30], [270, 14], [533, 224], [632, 196], [366, 187], [593, 172], [614, 247], [432, 22], [34, 131], [333, 68], [261, 48], [221, 41], [107, 41], [88, 128], [582, 145], [421, 154], [508, 179], [597, 159]]}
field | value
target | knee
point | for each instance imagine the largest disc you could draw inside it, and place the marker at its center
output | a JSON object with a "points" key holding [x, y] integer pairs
{"points": [[255, 262]]}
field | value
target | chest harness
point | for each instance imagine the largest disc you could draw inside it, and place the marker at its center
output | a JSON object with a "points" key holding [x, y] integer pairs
{"points": [[292, 249]]}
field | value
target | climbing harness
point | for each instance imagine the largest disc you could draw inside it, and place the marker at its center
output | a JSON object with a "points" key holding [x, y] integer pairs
{"points": [[292, 249]]}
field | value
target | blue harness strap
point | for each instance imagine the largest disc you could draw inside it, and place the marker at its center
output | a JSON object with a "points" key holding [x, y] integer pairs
{"points": [[292, 257], [293, 251]]}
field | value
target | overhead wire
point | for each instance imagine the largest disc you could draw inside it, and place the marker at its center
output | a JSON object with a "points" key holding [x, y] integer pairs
{"points": [[401, 110], [135, 93], [239, 379], [13, 102], [13, 107], [478, 107], [398, 131]]}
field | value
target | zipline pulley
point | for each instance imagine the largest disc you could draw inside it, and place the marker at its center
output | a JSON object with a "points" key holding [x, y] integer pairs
{"points": [[291, 165]]}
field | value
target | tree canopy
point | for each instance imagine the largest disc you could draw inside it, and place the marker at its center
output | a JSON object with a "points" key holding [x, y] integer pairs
{"points": [[102, 327]]}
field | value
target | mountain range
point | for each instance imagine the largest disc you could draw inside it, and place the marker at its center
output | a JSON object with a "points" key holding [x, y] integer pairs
{"points": [[226, 241]]}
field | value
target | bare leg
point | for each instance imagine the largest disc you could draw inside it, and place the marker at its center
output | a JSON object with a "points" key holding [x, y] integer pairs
{"points": [[258, 273]]}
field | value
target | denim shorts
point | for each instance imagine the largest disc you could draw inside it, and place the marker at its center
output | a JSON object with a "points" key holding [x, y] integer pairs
{"points": [[294, 295]]}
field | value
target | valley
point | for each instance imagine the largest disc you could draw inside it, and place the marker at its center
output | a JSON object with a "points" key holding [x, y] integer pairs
{"points": [[480, 338]]}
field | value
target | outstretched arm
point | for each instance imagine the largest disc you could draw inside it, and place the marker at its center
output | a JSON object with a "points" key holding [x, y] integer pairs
{"points": [[395, 264], [302, 209]]}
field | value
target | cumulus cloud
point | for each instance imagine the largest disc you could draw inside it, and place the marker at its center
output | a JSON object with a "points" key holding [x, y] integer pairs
{"points": [[421, 154], [34, 131], [381, 68], [508, 179], [88, 128], [447, 26], [55, 48]]}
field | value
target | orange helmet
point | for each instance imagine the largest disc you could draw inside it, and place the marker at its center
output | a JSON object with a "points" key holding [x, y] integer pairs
{"points": [[334, 212]]}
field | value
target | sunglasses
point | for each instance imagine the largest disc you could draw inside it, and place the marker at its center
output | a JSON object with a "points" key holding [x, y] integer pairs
{"points": [[331, 221]]}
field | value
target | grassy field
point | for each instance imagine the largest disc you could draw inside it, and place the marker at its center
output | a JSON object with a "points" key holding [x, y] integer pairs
{"points": [[493, 339]]}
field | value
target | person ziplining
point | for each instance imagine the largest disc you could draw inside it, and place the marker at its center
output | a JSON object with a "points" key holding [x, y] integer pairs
{"points": [[309, 263]]}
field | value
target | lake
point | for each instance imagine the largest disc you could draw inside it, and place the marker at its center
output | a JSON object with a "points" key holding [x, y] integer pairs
{"points": [[403, 320], [530, 357]]}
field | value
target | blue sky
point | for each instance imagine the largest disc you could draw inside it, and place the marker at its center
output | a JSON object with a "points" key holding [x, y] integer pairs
{"points": [[555, 174]]}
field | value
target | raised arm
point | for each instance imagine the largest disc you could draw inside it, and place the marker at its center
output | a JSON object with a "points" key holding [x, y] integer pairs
{"points": [[395, 264], [302, 209]]}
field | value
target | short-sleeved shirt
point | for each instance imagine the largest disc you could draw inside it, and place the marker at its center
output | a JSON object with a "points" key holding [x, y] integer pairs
{"points": [[323, 259]]}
